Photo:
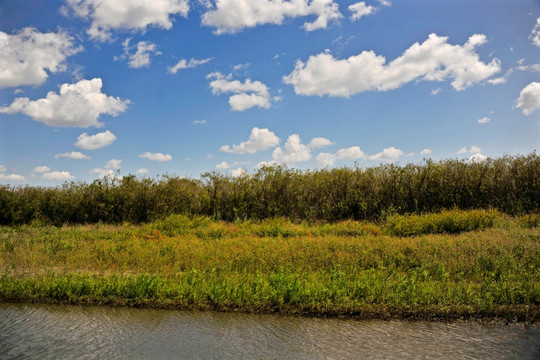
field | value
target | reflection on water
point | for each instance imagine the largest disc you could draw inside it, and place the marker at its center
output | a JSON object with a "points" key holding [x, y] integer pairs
{"points": [[73, 332]]}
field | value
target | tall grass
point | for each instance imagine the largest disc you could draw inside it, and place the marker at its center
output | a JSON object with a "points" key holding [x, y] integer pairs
{"points": [[347, 268], [510, 184]]}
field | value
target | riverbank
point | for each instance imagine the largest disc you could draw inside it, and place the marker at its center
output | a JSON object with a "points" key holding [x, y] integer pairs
{"points": [[350, 269]]}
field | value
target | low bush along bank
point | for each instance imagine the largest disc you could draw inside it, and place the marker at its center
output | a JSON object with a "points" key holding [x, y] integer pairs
{"points": [[435, 268]]}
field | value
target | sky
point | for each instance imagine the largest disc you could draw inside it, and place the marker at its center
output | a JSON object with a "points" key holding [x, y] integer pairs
{"points": [[95, 88]]}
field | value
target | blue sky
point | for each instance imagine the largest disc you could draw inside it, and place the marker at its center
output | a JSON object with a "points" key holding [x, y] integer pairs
{"points": [[90, 88]]}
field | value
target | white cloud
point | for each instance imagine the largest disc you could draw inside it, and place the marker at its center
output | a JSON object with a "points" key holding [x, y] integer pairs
{"points": [[199, 122], [533, 67], [230, 16], [319, 142], [184, 64], [41, 169], [472, 150], [12, 177], [134, 15], [97, 141], [109, 170], [77, 105], [484, 120], [76, 155], [478, 158], [114, 164], [259, 140], [390, 154], [433, 60], [529, 98], [435, 91], [360, 9], [141, 56], [535, 33], [350, 153], [209, 156], [501, 80], [29, 56], [425, 152], [293, 151], [240, 172], [247, 94], [143, 171], [223, 165], [3, 168], [57, 175], [156, 156]]}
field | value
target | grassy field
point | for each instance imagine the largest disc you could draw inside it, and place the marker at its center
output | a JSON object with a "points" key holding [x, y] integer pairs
{"points": [[482, 264]]}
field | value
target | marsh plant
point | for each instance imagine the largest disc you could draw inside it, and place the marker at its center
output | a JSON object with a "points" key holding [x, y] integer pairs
{"points": [[510, 184]]}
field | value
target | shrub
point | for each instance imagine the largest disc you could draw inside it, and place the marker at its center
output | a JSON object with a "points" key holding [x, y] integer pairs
{"points": [[448, 221]]}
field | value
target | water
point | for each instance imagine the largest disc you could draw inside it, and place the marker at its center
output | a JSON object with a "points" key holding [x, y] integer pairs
{"points": [[76, 332]]}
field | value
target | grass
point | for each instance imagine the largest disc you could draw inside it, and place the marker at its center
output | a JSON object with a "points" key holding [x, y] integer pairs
{"points": [[447, 265]]}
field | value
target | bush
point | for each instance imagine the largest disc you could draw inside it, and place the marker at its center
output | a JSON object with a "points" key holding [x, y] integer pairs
{"points": [[449, 221], [509, 184]]}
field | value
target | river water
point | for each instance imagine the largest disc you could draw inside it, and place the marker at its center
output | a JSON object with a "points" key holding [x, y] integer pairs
{"points": [[92, 332]]}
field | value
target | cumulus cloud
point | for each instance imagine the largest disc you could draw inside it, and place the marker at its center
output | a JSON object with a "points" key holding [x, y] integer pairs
{"points": [[535, 33], [473, 149], [76, 155], [141, 56], [433, 60], [77, 105], [360, 9], [529, 98], [351, 153], [230, 16], [435, 91], [247, 94], [293, 151], [135, 15], [240, 172], [143, 171], [425, 152], [156, 156], [390, 154], [484, 120], [12, 177], [319, 142], [57, 175], [28, 56], [199, 122], [41, 169], [97, 141], [478, 158], [184, 64], [259, 140], [109, 170]]}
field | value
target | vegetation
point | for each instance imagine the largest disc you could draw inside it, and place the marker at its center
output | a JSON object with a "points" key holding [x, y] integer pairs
{"points": [[435, 268], [509, 184]]}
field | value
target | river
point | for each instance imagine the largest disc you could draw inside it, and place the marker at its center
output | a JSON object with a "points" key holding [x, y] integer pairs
{"points": [[93, 332]]}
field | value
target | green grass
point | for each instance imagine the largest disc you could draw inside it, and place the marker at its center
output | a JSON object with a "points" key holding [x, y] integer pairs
{"points": [[483, 264]]}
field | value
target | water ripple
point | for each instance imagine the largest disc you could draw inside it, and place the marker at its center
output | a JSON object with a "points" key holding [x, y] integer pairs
{"points": [[75, 332]]}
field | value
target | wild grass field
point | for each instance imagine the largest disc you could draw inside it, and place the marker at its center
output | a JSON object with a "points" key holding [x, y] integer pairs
{"points": [[445, 265]]}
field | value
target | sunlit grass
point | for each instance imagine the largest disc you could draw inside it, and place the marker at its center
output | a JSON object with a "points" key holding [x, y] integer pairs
{"points": [[276, 265]]}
